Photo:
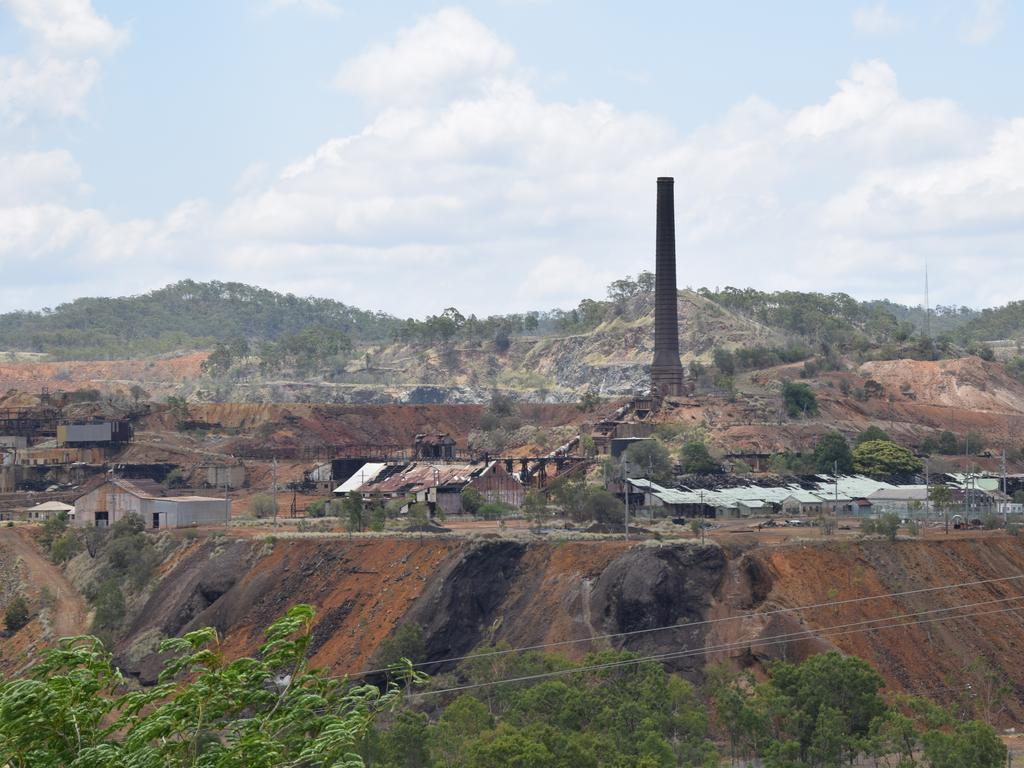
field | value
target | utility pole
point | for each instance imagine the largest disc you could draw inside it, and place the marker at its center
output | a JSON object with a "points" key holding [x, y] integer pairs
{"points": [[1006, 508], [835, 504], [273, 475], [227, 501], [625, 496], [967, 479], [927, 499], [702, 516]]}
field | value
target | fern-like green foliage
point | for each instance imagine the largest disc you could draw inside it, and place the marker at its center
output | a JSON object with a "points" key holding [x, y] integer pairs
{"points": [[74, 708]]}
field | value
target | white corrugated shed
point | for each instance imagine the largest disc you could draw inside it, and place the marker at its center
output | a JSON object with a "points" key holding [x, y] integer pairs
{"points": [[827, 490], [852, 486], [902, 493], [183, 511]]}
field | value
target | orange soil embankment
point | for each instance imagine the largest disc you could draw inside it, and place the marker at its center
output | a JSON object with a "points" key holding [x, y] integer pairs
{"points": [[363, 588], [909, 399], [926, 653], [106, 375], [360, 588]]}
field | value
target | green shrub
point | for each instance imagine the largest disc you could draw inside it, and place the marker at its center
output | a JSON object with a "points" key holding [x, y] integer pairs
{"points": [[52, 529], [833, 453], [603, 507], [377, 518], [493, 510], [884, 458], [16, 614], [262, 505], [589, 401], [108, 601], [66, 547], [799, 399], [419, 514], [129, 525], [886, 525], [406, 643], [175, 478], [471, 499], [650, 459], [696, 459], [129, 553], [871, 433]]}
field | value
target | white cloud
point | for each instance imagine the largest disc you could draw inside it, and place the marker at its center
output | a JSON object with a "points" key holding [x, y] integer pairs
{"points": [[49, 86], [67, 26], [876, 19], [56, 75], [486, 196], [33, 177], [985, 24], [444, 55], [978, 194], [319, 7]]}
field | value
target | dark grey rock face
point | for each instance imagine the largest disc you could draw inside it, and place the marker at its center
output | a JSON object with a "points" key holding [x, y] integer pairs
{"points": [[460, 604], [656, 587]]}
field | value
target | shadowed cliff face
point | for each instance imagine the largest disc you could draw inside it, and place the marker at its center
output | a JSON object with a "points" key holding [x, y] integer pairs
{"points": [[462, 601], [649, 588]]}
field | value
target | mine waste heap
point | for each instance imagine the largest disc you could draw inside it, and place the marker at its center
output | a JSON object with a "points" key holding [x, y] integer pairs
{"points": [[666, 371]]}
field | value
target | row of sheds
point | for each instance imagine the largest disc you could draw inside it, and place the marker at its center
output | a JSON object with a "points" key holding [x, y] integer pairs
{"points": [[439, 485], [111, 500], [846, 495]]}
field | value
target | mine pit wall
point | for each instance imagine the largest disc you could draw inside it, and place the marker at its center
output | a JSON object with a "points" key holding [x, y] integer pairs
{"points": [[926, 656], [464, 593]]}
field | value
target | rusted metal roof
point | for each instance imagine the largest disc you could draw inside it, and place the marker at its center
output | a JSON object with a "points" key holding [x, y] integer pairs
{"points": [[420, 476], [144, 489]]}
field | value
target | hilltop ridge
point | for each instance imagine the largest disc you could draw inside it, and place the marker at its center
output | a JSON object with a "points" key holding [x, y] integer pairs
{"points": [[218, 341]]}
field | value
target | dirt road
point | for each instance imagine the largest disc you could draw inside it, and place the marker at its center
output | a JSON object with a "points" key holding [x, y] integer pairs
{"points": [[69, 611]]}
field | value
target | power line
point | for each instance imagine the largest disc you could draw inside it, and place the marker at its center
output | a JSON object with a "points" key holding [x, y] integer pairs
{"points": [[777, 640], [784, 639], [690, 625]]}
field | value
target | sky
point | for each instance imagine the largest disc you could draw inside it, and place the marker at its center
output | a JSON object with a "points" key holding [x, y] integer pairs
{"points": [[501, 156]]}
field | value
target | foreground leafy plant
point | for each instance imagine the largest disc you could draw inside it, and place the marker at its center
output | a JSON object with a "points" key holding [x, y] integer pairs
{"points": [[74, 708]]}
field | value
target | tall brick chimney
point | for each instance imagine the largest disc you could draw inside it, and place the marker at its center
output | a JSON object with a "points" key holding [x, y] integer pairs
{"points": [[666, 371]]}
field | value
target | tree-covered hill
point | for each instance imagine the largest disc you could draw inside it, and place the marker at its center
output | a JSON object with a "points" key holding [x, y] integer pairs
{"points": [[838, 317], [186, 314], [1006, 322], [197, 315]]}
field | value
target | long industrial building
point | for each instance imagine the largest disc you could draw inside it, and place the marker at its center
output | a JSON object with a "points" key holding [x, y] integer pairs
{"points": [[152, 502]]}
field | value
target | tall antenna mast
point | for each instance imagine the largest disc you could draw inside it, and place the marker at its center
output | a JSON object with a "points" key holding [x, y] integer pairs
{"points": [[927, 305]]}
